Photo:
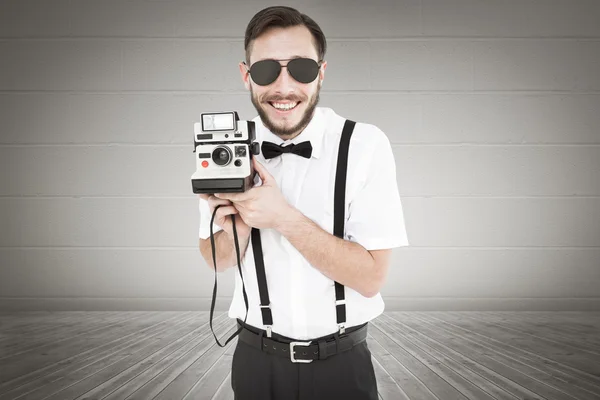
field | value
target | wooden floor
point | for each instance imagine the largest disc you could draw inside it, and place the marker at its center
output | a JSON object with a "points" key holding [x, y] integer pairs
{"points": [[417, 355]]}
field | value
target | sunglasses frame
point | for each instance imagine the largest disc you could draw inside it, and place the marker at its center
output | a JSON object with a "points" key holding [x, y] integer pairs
{"points": [[319, 63]]}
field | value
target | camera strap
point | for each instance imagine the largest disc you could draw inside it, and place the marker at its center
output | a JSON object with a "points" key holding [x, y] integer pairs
{"points": [[239, 264], [339, 209]]}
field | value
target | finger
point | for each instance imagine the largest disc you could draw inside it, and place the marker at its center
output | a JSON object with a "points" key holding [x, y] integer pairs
{"points": [[214, 201], [222, 212], [244, 203], [233, 196], [239, 205], [204, 196], [212, 207], [227, 196], [265, 176]]}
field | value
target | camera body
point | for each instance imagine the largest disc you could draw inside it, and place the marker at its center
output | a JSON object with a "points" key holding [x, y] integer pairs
{"points": [[224, 146]]}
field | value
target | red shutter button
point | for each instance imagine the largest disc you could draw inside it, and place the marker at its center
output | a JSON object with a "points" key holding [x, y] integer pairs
{"points": [[205, 163]]}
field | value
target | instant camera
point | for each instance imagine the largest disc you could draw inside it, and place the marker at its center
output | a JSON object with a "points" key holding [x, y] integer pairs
{"points": [[224, 146]]}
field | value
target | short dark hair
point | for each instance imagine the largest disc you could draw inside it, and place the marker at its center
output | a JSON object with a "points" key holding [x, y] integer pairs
{"points": [[282, 17]]}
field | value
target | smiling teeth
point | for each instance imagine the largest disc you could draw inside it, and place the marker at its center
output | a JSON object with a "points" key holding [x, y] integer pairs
{"points": [[280, 106]]}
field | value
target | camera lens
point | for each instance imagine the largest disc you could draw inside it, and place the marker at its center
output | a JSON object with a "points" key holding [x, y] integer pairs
{"points": [[221, 156]]}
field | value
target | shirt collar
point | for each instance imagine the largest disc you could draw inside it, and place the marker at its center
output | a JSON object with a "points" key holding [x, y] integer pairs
{"points": [[314, 132]]}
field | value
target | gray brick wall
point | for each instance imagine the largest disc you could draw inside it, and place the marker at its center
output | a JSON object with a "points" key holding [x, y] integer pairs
{"points": [[492, 108]]}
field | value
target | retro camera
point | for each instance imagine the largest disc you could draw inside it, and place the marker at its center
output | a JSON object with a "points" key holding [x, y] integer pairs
{"points": [[224, 146]]}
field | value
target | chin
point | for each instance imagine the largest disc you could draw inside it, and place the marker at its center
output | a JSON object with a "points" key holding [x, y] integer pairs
{"points": [[284, 122], [288, 123]]}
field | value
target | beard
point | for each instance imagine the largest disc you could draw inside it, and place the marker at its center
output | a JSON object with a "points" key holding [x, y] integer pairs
{"points": [[281, 130]]}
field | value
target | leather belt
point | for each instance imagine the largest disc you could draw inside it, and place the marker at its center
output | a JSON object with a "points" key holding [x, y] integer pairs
{"points": [[305, 351]]}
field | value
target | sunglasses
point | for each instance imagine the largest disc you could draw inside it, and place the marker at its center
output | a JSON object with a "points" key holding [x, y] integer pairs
{"points": [[265, 72]]}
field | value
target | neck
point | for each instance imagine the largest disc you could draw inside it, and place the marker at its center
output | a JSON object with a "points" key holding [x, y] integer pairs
{"points": [[291, 135]]}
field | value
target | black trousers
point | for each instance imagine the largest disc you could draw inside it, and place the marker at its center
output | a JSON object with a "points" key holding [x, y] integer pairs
{"points": [[256, 375]]}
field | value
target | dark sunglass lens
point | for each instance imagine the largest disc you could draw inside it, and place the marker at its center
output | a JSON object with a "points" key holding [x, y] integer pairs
{"points": [[265, 72], [304, 70]]}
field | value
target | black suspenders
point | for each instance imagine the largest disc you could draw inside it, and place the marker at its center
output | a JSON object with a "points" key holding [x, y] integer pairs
{"points": [[339, 208], [339, 211], [261, 277]]}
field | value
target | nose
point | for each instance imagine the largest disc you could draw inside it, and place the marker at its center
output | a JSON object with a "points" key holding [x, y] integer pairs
{"points": [[284, 82]]}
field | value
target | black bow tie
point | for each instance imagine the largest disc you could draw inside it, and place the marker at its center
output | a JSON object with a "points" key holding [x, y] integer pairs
{"points": [[271, 150]]}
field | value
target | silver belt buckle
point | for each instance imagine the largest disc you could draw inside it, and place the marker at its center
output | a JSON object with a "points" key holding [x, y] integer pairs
{"points": [[292, 344]]}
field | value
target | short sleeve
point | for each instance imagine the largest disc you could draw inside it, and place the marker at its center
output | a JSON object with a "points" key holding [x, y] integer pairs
{"points": [[205, 218], [375, 215]]}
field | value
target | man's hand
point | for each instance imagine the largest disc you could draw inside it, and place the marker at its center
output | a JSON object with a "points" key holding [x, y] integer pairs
{"points": [[261, 207], [223, 216]]}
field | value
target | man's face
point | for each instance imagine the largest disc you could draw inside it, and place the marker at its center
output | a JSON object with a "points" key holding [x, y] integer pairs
{"points": [[284, 44]]}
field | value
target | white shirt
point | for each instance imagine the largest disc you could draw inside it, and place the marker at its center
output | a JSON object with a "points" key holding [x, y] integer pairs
{"points": [[302, 298]]}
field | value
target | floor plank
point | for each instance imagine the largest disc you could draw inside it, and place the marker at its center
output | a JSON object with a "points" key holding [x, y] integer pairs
{"points": [[224, 391], [387, 385], [552, 327], [469, 383], [429, 379], [150, 376], [416, 355], [40, 377], [465, 387], [165, 373], [127, 380], [408, 383], [66, 383], [43, 355], [528, 374], [42, 332], [580, 364]]}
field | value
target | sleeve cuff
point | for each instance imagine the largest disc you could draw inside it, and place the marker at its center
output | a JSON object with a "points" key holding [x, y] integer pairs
{"points": [[205, 231]]}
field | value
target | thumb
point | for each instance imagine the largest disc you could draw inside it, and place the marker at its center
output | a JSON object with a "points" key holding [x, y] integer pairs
{"points": [[265, 176]]}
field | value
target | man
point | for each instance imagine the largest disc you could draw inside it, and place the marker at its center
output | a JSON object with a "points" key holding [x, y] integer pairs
{"points": [[292, 210]]}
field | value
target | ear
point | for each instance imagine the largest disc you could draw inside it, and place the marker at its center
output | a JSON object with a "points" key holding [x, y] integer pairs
{"points": [[322, 71], [245, 74]]}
